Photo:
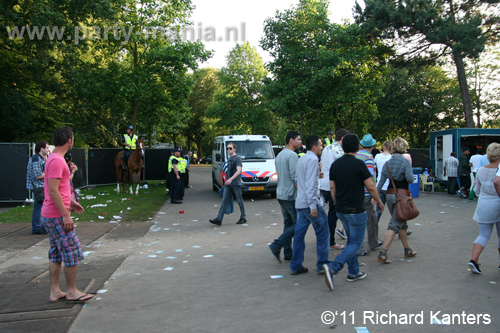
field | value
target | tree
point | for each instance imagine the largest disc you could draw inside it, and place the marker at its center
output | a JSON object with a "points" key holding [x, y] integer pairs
{"points": [[33, 100], [324, 75], [417, 100], [462, 27], [239, 104], [484, 78], [200, 127]]}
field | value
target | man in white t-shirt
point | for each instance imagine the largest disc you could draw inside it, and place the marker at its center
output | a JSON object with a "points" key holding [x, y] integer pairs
{"points": [[475, 160], [380, 160], [330, 154]]}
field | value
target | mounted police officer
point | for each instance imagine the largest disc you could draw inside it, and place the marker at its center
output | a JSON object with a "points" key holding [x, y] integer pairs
{"points": [[128, 143]]}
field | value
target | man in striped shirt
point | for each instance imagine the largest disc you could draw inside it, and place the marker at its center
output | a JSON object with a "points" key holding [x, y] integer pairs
{"points": [[450, 169], [365, 154]]}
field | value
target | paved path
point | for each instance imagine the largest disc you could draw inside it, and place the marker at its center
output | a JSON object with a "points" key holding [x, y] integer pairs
{"points": [[231, 290]]}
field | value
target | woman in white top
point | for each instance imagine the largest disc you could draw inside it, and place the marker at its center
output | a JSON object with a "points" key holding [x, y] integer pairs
{"points": [[488, 206]]}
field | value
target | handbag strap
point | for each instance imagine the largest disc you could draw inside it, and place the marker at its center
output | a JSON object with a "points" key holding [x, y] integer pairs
{"points": [[390, 176]]}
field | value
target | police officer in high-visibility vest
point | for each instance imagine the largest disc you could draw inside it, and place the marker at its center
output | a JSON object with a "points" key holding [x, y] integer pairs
{"points": [[175, 177], [329, 140], [128, 143], [183, 171]]}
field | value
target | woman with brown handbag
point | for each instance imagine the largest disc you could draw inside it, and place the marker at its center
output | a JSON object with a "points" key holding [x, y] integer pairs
{"points": [[402, 176]]}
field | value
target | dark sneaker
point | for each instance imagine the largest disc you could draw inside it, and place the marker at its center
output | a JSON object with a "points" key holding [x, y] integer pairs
{"points": [[303, 270], [328, 276], [408, 232], [241, 221], [341, 234], [360, 276], [290, 259], [174, 201], [274, 252], [216, 221], [364, 253], [474, 267], [40, 232]]}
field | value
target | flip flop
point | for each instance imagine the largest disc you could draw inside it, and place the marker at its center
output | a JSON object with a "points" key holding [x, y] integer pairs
{"points": [[80, 300], [60, 299]]}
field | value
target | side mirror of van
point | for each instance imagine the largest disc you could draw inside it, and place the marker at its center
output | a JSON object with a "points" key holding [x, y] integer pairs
{"points": [[218, 157]]}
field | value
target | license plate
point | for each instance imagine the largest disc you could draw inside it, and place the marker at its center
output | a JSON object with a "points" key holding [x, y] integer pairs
{"points": [[256, 188]]}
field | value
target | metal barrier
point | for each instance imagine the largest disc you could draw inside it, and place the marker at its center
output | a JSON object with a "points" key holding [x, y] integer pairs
{"points": [[96, 166]]}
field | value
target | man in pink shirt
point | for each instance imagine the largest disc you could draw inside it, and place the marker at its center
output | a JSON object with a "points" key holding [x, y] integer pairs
{"points": [[56, 219]]}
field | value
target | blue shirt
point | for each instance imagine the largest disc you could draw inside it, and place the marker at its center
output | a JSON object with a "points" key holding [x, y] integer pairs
{"points": [[36, 166], [307, 179]]}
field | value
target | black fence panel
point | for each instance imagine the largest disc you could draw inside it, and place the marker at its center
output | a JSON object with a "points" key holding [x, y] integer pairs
{"points": [[156, 163], [13, 171], [101, 164], [79, 158], [419, 157]]}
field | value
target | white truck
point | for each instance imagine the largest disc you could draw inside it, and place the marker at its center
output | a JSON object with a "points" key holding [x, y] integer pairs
{"points": [[258, 171]]}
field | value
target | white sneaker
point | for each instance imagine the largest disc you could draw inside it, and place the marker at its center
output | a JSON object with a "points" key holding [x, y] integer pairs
{"points": [[328, 276]]}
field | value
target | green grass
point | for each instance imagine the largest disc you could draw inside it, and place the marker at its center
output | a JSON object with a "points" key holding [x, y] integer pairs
{"points": [[142, 207]]}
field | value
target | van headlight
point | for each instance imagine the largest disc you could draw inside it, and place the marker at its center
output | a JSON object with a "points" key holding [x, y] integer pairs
{"points": [[274, 178]]}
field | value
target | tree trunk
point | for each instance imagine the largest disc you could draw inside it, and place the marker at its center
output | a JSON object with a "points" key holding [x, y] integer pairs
{"points": [[464, 90]]}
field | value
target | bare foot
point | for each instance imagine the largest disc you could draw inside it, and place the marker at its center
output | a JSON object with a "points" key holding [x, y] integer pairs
{"points": [[57, 297], [78, 295]]}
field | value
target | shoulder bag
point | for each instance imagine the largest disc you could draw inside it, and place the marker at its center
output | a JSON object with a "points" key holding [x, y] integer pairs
{"points": [[405, 207]]}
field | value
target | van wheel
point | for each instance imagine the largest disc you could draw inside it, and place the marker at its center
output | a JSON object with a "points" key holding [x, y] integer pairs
{"points": [[214, 186], [273, 195]]}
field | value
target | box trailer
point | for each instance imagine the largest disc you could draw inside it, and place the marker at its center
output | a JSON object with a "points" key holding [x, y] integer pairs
{"points": [[442, 143]]}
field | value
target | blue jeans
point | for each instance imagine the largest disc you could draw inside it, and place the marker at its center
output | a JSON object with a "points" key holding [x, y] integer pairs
{"points": [[355, 226], [289, 218], [36, 224], [320, 224], [332, 215], [228, 192], [382, 197]]}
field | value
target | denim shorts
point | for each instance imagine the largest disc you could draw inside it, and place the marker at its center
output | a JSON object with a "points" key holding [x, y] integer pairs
{"points": [[64, 246]]}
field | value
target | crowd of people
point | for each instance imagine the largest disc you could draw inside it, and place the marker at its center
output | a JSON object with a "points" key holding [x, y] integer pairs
{"points": [[356, 186], [342, 174]]}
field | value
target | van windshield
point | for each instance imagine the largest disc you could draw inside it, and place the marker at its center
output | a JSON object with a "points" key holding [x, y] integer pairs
{"points": [[254, 150]]}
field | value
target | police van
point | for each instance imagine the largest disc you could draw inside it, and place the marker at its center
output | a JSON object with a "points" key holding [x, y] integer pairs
{"points": [[258, 171]]}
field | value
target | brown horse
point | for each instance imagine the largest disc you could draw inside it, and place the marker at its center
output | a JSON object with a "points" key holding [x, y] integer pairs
{"points": [[134, 164]]}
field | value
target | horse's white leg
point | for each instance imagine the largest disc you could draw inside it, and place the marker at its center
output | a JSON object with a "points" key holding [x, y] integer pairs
{"points": [[118, 188], [131, 189], [137, 190]]}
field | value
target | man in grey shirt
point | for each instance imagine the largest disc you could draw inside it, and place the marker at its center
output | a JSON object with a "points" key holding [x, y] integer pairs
{"points": [[286, 193], [309, 209]]}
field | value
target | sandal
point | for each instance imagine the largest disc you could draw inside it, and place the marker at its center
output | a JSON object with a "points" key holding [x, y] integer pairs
{"points": [[382, 257], [409, 253]]}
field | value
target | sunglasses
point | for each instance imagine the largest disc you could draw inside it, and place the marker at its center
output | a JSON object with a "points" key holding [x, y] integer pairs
{"points": [[229, 148]]}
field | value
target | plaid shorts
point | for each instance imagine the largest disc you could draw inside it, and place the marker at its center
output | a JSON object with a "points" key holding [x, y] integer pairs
{"points": [[64, 246]]}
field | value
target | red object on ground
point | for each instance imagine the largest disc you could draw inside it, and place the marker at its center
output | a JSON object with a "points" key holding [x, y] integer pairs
{"points": [[104, 213], [181, 212]]}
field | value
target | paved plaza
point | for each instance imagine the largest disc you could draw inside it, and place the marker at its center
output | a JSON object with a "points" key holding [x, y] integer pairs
{"points": [[179, 273]]}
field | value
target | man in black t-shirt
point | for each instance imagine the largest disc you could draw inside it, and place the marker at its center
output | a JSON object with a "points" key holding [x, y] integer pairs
{"points": [[348, 178], [232, 185]]}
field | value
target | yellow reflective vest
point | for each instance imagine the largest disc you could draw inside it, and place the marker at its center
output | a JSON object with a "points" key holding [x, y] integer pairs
{"points": [[170, 167], [130, 140], [328, 141], [182, 164]]}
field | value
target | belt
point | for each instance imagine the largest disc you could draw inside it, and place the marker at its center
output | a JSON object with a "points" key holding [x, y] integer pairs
{"points": [[399, 191]]}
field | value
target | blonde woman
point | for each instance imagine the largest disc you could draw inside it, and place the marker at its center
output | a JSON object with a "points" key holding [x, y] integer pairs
{"points": [[402, 174], [487, 212]]}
